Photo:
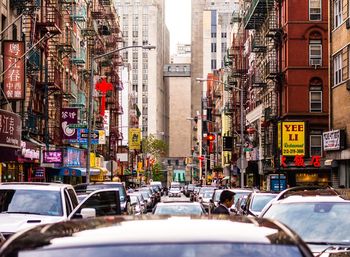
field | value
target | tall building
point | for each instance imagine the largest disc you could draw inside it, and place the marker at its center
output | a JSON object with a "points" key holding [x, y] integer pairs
{"points": [[336, 141], [286, 103], [143, 22], [211, 36]]}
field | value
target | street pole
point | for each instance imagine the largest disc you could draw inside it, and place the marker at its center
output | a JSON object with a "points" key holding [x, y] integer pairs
{"points": [[91, 90], [242, 135]]}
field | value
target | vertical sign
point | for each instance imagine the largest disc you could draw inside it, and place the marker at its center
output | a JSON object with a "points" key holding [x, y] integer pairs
{"points": [[293, 138], [69, 116], [134, 139], [279, 135], [10, 129], [106, 119], [14, 77]]}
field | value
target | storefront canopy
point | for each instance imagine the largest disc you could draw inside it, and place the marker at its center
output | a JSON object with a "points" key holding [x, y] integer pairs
{"points": [[93, 171]]}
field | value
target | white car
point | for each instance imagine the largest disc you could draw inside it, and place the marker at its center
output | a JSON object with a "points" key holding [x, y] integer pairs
{"points": [[174, 191], [25, 205]]}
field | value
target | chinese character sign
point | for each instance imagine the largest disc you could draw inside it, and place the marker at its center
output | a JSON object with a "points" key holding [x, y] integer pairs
{"points": [[10, 129], [134, 139], [54, 156], [293, 138], [14, 76], [69, 116]]}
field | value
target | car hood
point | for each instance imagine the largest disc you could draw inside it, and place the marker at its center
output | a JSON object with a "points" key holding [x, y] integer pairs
{"points": [[13, 222]]}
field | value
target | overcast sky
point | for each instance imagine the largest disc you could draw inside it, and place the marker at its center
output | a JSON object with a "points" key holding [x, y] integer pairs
{"points": [[178, 21]]}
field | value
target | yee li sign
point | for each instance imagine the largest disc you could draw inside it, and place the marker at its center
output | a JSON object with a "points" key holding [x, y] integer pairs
{"points": [[292, 138]]}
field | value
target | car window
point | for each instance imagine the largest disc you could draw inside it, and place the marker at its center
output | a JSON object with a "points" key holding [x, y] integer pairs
{"points": [[43, 202], [172, 250], [259, 201], [94, 187], [105, 203], [178, 210], [73, 197], [315, 221], [69, 208]]}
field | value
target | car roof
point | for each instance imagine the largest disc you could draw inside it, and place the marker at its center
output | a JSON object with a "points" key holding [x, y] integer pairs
{"points": [[178, 203], [310, 199], [165, 229], [34, 186]]}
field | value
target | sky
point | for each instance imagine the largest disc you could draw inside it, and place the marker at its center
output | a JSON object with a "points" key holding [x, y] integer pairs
{"points": [[178, 21]]}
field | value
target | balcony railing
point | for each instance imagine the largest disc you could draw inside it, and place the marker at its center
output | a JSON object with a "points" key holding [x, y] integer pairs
{"points": [[79, 12], [80, 57]]}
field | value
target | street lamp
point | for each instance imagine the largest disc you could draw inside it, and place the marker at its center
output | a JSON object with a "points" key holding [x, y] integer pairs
{"points": [[90, 107], [241, 119]]}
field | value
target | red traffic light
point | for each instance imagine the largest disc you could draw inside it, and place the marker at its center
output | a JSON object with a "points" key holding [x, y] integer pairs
{"points": [[211, 137]]}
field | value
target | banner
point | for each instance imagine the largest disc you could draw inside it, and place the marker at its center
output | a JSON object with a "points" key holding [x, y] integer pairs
{"points": [[14, 76], [69, 116], [106, 119], [134, 138], [293, 138]]}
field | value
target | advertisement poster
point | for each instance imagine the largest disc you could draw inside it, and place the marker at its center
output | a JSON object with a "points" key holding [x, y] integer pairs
{"points": [[293, 138]]}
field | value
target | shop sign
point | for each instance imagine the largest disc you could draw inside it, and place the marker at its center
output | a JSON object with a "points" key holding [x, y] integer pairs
{"points": [[101, 137], [293, 138], [134, 138], [299, 161], [69, 116], [227, 143], [28, 152], [14, 67], [10, 129], [72, 157], [53, 156], [334, 140], [39, 172], [98, 161]]}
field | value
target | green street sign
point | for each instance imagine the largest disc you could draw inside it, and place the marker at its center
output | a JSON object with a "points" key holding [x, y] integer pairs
{"points": [[77, 126], [247, 149]]}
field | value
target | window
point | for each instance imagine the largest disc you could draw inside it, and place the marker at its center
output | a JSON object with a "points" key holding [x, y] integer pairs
{"points": [[337, 67], [315, 52], [315, 10], [134, 87], [213, 47], [224, 35], [213, 35], [315, 145], [315, 100], [213, 64], [338, 10]]}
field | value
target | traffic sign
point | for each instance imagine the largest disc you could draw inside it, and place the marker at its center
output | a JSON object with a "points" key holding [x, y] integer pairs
{"points": [[77, 126], [245, 163], [82, 136]]}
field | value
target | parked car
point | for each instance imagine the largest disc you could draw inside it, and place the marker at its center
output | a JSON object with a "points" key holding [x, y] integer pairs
{"points": [[84, 189], [174, 192], [136, 204], [206, 199], [24, 205], [170, 236], [238, 208], [256, 201], [189, 189], [179, 208], [322, 221]]}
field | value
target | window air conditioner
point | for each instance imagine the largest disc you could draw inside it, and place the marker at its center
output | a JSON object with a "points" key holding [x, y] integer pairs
{"points": [[315, 62]]}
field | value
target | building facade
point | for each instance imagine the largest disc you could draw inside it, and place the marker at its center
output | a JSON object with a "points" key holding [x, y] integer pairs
{"points": [[336, 140]]}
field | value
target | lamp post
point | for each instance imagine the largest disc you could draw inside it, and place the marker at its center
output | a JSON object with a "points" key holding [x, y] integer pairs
{"points": [[90, 107], [241, 120]]}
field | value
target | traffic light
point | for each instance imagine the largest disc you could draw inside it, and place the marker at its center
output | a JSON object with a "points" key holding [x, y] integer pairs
{"points": [[211, 137]]}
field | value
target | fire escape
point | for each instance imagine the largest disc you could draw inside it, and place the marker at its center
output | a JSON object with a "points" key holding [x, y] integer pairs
{"points": [[260, 16]]}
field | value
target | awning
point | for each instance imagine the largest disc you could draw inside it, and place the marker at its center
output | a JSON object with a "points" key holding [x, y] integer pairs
{"points": [[93, 171], [34, 141], [64, 171]]}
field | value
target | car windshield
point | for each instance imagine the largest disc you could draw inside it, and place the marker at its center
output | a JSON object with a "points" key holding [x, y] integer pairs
{"points": [[172, 250], [41, 202], [237, 195], [145, 195], [178, 209], [315, 221], [260, 201], [190, 187], [94, 187], [208, 194]]}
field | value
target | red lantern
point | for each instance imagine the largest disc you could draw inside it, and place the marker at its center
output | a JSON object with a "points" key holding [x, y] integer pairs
{"points": [[251, 130]]}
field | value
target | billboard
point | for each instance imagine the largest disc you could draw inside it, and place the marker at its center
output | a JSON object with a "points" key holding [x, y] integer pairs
{"points": [[293, 138], [134, 138], [334, 140], [14, 69]]}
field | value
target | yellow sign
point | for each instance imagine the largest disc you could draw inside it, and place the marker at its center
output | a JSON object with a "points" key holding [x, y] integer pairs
{"points": [[293, 138], [92, 160], [279, 135], [134, 139]]}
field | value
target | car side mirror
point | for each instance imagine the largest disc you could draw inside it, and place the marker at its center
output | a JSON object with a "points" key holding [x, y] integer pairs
{"points": [[88, 213]]}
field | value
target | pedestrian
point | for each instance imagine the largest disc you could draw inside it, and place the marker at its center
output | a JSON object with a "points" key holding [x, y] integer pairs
{"points": [[226, 201]]}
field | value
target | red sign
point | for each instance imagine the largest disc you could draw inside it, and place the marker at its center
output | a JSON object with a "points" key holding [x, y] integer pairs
{"points": [[103, 87], [14, 67], [300, 162]]}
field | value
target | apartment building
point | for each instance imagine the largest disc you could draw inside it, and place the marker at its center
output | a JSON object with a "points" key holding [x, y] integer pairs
{"points": [[336, 140]]}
